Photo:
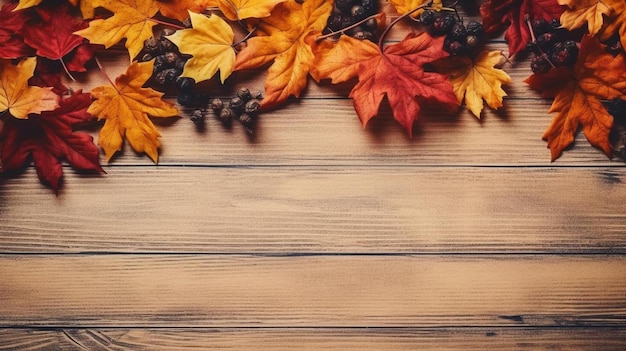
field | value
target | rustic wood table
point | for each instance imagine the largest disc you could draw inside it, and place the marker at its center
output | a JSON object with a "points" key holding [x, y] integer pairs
{"points": [[317, 234]]}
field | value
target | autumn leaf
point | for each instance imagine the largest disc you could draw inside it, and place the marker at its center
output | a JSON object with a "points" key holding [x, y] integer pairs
{"points": [[476, 80], [241, 9], [126, 107], [24, 4], [500, 14], [404, 6], [131, 20], [577, 96], [11, 43], [177, 9], [16, 96], [86, 7], [48, 138], [282, 41], [210, 42], [397, 72], [51, 33], [591, 12]]}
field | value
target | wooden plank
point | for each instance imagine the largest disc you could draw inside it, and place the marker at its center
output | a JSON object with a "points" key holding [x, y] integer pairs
{"points": [[319, 209], [388, 339], [311, 291]]}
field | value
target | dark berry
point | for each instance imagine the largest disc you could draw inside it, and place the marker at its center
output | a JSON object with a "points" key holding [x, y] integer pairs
{"points": [[186, 99], [363, 35], [564, 53], [146, 57], [555, 24], [160, 63], [166, 45], [540, 64], [171, 57], [344, 5], [443, 24], [197, 117], [252, 106], [427, 17], [475, 28], [456, 48], [371, 24], [236, 104], [458, 32], [357, 12], [369, 6], [185, 84], [246, 119], [471, 41], [151, 46], [545, 41], [217, 105], [244, 94], [540, 26], [226, 116]]}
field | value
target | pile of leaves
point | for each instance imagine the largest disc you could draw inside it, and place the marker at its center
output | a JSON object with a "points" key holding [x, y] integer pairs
{"points": [[441, 63]]}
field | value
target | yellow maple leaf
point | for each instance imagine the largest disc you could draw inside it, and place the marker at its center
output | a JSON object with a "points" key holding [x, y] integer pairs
{"points": [[86, 7], [241, 9], [24, 4], [126, 107], [591, 12], [476, 80], [210, 42], [177, 9], [17, 97], [131, 20], [404, 6], [282, 39]]}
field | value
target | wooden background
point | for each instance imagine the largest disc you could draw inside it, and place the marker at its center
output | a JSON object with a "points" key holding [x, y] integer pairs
{"points": [[319, 235]]}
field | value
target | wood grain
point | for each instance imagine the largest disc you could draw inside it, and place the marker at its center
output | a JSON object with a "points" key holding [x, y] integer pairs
{"points": [[305, 339], [311, 291], [319, 210]]}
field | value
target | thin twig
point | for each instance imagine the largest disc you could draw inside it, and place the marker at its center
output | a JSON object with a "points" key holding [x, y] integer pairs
{"points": [[173, 25], [104, 73], [386, 31], [66, 70], [331, 34]]}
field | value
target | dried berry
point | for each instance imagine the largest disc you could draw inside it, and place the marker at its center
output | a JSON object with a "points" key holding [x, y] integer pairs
{"points": [[545, 41], [458, 32], [540, 64], [564, 53], [475, 28], [185, 84], [443, 24], [244, 94], [197, 117], [344, 5], [226, 116], [357, 12], [236, 104], [252, 107], [541, 26], [216, 105], [427, 17]]}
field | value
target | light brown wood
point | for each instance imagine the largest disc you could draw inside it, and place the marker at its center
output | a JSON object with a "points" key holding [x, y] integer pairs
{"points": [[319, 209], [312, 291], [307, 339]]}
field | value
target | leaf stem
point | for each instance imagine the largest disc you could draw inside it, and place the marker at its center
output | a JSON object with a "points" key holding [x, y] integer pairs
{"points": [[172, 25], [245, 38], [66, 70], [104, 73], [393, 23], [534, 40], [341, 31]]}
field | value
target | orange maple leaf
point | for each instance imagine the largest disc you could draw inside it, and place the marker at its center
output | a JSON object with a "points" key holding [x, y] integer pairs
{"points": [[131, 20], [177, 9], [17, 97], [236, 10], [282, 39], [577, 94], [396, 72], [591, 12], [126, 107]]}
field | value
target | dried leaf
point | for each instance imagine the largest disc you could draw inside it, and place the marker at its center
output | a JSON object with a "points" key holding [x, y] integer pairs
{"points": [[476, 80], [11, 43], [241, 9], [591, 12], [131, 20], [178, 9], [577, 96], [24, 4], [210, 42], [49, 138], [16, 96], [282, 39], [397, 72], [126, 107]]}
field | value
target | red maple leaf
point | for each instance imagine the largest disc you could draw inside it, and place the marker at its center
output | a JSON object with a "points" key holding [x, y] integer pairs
{"points": [[51, 34], [396, 72], [11, 43], [514, 14], [48, 138]]}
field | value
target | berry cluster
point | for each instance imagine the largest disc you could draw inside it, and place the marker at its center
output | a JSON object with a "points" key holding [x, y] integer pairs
{"points": [[243, 107], [348, 12], [551, 46], [168, 66], [460, 39]]}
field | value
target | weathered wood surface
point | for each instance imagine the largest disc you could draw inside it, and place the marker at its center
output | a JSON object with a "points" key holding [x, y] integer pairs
{"points": [[317, 234]]}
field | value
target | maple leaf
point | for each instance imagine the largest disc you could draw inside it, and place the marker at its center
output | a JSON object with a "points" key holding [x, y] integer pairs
{"points": [[577, 94], [177, 9], [131, 20], [591, 12], [126, 107], [11, 43], [236, 10], [24, 4], [282, 39], [475, 80], [16, 96], [499, 14], [48, 138], [210, 42], [404, 6], [397, 72], [86, 7], [52, 33]]}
